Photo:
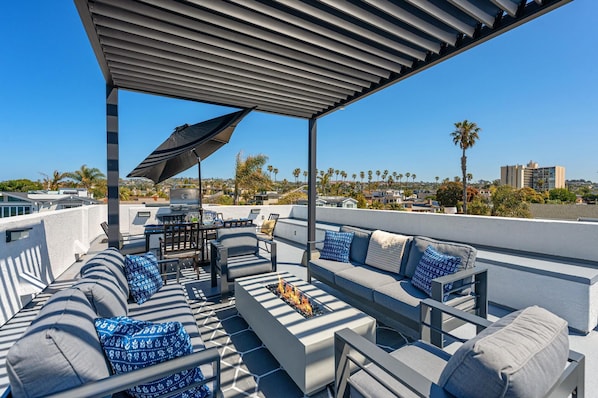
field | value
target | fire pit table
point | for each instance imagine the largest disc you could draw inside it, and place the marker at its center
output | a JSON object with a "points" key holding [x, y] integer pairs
{"points": [[302, 342]]}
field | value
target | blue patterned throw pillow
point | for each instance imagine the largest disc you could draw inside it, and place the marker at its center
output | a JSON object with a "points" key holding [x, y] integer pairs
{"points": [[432, 265], [337, 246], [131, 344], [143, 276]]}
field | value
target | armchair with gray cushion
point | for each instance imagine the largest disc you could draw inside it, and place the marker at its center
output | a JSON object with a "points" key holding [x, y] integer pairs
{"points": [[524, 354], [236, 253]]}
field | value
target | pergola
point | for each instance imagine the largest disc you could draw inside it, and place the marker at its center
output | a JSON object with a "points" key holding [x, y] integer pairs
{"points": [[301, 58]]}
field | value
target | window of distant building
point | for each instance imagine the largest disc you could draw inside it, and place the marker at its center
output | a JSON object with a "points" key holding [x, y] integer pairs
{"points": [[12, 211]]}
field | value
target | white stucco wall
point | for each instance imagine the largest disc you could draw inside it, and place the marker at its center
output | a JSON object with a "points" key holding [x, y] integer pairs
{"points": [[56, 239], [551, 237]]}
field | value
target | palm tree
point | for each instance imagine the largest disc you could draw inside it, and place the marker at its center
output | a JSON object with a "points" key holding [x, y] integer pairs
{"points": [[413, 176], [465, 135], [378, 175], [437, 178], [305, 174], [52, 184], [86, 177], [275, 171], [296, 174], [324, 180], [337, 172], [270, 168], [407, 175], [370, 174], [248, 174], [400, 179], [354, 177]]}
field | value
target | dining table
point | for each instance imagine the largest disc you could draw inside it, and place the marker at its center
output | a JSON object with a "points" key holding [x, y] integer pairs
{"points": [[208, 231]]}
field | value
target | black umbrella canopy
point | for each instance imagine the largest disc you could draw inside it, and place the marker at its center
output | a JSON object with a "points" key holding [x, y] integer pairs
{"points": [[187, 145]]}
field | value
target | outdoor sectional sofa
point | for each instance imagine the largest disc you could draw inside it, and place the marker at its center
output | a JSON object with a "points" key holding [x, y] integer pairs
{"points": [[61, 352], [383, 289]]}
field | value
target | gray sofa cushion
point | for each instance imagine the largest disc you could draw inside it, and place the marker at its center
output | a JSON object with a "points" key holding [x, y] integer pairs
{"points": [[418, 247], [239, 240], [108, 264], [59, 350], [520, 355], [359, 246], [362, 280], [425, 359], [420, 243], [325, 270], [106, 298]]}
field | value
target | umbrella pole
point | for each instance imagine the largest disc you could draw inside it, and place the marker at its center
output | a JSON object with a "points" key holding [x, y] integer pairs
{"points": [[199, 183]]}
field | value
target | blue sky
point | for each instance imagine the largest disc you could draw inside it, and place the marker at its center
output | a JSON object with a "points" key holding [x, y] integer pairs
{"points": [[533, 91]]}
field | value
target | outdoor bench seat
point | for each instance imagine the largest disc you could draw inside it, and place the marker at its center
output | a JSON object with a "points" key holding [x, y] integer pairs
{"points": [[60, 353], [388, 295]]}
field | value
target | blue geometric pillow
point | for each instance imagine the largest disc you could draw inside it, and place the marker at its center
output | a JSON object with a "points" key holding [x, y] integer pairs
{"points": [[143, 276], [432, 265], [337, 246], [131, 344]]}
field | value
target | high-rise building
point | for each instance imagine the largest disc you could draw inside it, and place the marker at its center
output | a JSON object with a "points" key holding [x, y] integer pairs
{"points": [[538, 178]]}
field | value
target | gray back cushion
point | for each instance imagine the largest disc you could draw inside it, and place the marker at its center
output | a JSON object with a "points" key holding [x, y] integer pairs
{"points": [[360, 243], [107, 299], [420, 243], [521, 355], [59, 350], [239, 240], [108, 264]]}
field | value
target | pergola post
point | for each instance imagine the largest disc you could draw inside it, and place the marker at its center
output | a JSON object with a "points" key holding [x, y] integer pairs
{"points": [[112, 165], [311, 188]]}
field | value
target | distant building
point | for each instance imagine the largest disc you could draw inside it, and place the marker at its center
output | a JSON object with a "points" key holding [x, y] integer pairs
{"points": [[267, 198], [20, 203], [388, 196], [532, 176], [332, 201]]}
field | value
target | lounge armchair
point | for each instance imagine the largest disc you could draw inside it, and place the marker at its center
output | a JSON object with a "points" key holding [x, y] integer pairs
{"points": [[236, 253], [524, 354]]}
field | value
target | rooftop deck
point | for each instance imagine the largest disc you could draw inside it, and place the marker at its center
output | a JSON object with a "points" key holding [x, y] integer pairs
{"points": [[248, 368]]}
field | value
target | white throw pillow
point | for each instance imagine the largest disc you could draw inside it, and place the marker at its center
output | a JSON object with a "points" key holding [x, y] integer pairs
{"points": [[385, 250]]}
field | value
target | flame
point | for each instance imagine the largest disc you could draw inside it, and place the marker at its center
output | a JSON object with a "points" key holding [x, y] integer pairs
{"points": [[294, 297]]}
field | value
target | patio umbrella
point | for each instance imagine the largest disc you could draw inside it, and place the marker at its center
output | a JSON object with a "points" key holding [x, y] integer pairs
{"points": [[187, 146]]}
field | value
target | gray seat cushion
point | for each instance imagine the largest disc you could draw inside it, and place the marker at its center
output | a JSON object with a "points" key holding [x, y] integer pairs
{"points": [[59, 350], [427, 360], [404, 298], [363, 280], [520, 355], [248, 265], [107, 299], [239, 240], [360, 243], [167, 305], [325, 270]]}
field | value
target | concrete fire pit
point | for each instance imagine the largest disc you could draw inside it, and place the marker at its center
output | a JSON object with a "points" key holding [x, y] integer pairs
{"points": [[303, 347]]}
